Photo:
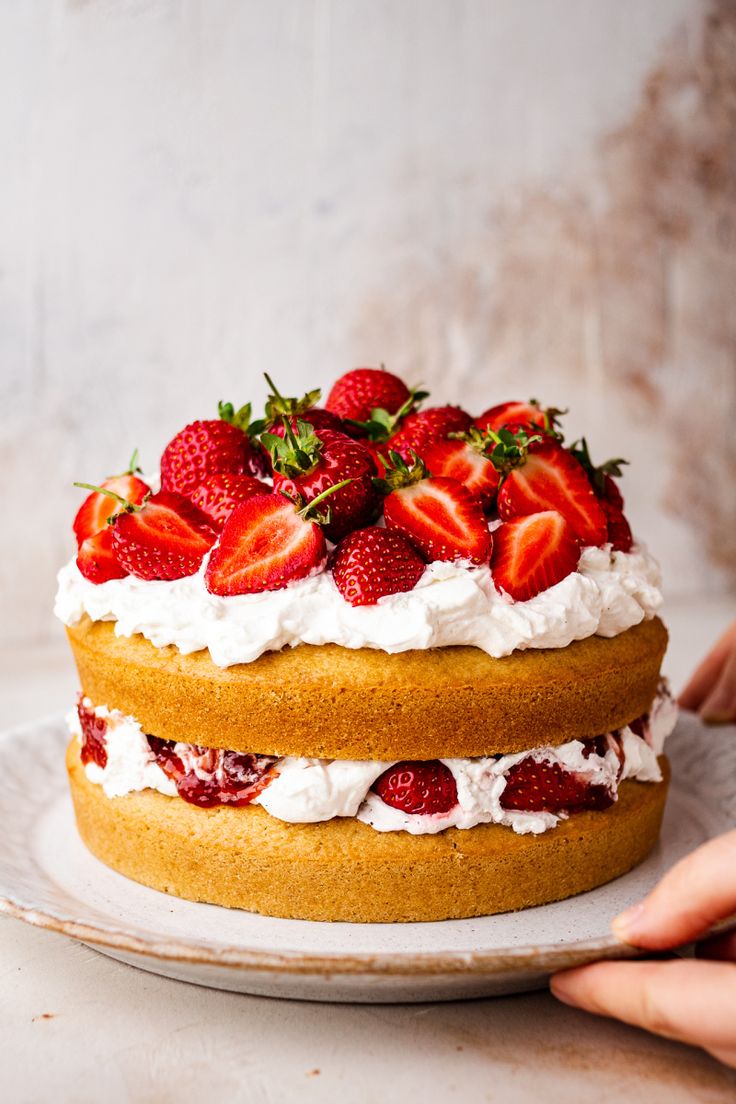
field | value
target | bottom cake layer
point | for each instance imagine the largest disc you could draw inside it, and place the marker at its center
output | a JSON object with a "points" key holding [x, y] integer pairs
{"points": [[343, 870]]}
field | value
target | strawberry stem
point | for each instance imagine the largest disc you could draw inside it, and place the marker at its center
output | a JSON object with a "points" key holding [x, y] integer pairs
{"points": [[398, 474], [128, 507], [307, 511]]}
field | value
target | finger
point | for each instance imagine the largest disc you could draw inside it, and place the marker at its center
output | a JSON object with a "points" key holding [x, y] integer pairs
{"points": [[692, 896], [693, 1002], [719, 947], [698, 688], [719, 706]]}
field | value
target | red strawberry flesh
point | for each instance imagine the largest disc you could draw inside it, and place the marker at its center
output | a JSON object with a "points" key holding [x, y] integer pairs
{"points": [[442, 519], [552, 479], [418, 787], [264, 545], [533, 553], [216, 777], [459, 460], [92, 516], [96, 558]]}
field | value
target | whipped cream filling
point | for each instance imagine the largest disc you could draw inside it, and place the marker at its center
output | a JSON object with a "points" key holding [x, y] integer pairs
{"points": [[305, 791], [453, 603]]}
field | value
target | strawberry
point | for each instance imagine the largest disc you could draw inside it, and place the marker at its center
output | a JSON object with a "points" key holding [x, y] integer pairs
{"points": [[517, 413], [94, 729], [267, 543], [601, 477], [371, 563], [207, 448], [418, 787], [465, 460], [533, 553], [439, 516], [422, 428], [550, 478], [97, 508], [216, 777], [218, 495], [358, 393], [304, 409], [546, 786], [166, 538], [96, 559], [306, 463], [619, 530]]}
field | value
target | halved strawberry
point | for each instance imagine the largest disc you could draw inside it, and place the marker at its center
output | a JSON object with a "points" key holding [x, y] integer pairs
{"points": [[619, 530], [371, 563], [94, 731], [358, 393], [205, 448], [418, 787], [550, 478], [93, 514], [533, 553], [218, 495], [167, 538], [267, 543], [96, 558], [439, 516], [466, 462], [545, 786]]}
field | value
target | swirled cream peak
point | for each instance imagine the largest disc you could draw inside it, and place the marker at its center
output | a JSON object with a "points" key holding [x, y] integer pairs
{"points": [[453, 603]]}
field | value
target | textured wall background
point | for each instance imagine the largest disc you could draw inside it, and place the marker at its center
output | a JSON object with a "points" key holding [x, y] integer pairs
{"points": [[496, 198]]}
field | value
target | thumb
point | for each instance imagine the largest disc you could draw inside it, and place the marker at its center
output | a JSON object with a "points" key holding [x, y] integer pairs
{"points": [[696, 893]]}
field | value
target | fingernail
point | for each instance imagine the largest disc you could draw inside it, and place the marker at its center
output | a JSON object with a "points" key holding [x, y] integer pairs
{"points": [[628, 922]]}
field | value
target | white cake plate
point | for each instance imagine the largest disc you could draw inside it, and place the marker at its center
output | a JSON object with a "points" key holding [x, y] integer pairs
{"points": [[49, 879]]}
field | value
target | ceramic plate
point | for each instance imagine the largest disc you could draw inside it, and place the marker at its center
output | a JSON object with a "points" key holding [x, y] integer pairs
{"points": [[47, 878]]}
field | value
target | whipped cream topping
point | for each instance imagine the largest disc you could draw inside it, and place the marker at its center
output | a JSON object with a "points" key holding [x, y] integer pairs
{"points": [[453, 603], [305, 791]]}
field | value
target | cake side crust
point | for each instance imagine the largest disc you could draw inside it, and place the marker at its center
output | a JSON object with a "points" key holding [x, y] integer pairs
{"points": [[330, 702], [344, 870]]}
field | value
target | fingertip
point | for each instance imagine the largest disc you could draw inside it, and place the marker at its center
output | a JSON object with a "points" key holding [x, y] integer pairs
{"points": [[562, 987]]}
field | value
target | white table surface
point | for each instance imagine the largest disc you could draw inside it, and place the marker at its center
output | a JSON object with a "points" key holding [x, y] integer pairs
{"points": [[79, 1028]]}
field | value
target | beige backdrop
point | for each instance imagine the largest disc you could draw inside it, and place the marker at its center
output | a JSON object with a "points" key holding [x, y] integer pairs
{"points": [[496, 197]]}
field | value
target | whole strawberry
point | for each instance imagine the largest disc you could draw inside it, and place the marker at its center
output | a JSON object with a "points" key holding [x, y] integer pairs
{"points": [[421, 428], [372, 563], [601, 476], [166, 538], [438, 516], [418, 787], [306, 463], [305, 409], [207, 448], [267, 543], [218, 495], [619, 531], [357, 394]]}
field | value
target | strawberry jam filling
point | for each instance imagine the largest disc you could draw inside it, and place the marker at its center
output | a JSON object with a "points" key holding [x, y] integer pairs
{"points": [[212, 776], [93, 735]]}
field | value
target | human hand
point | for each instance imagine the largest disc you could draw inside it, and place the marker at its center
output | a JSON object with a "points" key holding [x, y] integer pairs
{"points": [[711, 691], [691, 1001]]}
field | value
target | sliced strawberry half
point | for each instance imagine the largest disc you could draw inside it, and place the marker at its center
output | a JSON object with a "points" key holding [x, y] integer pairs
{"points": [[96, 558], [441, 518], [533, 553], [546, 786], [550, 478], [167, 538], [418, 787], [266, 543], [94, 513], [524, 413], [374, 562], [461, 460], [94, 731], [218, 495]]}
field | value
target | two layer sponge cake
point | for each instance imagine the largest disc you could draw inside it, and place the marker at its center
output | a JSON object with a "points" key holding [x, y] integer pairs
{"points": [[367, 662]]}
